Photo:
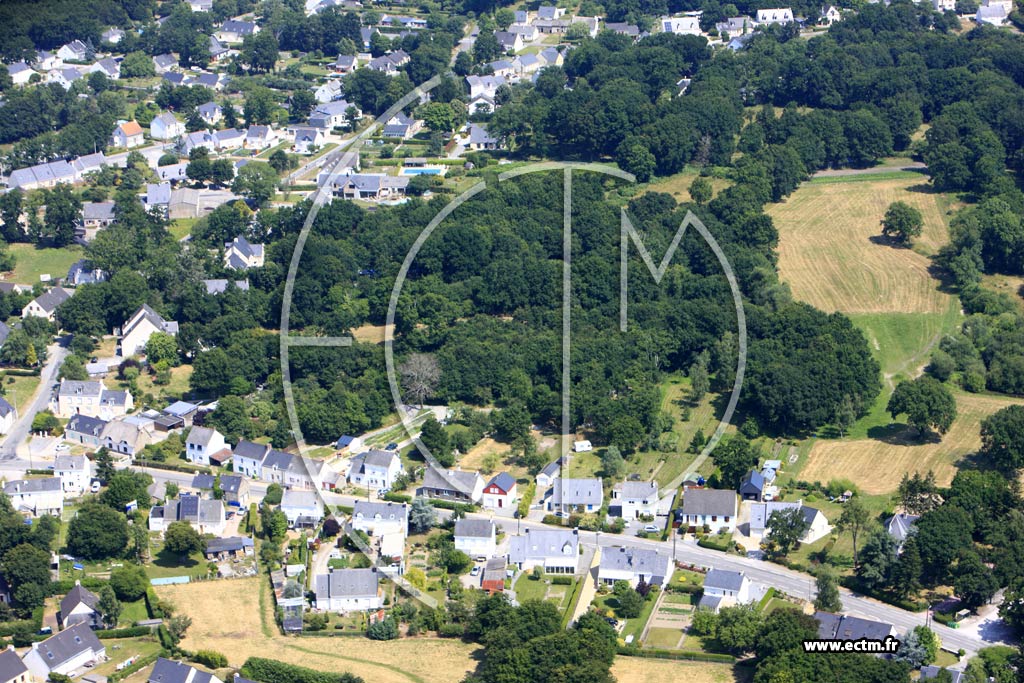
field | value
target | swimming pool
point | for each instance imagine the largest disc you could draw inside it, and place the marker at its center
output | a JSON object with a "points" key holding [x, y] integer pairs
{"points": [[421, 171]]}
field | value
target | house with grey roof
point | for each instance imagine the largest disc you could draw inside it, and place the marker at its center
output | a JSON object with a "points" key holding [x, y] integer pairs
{"points": [[229, 138], [235, 31], [333, 114], [634, 499], [74, 472], [348, 590], [752, 486], [90, 397], [143, 324], [761, 513], [36, 497], [218, 50], [556, 550], [12, 669], [845, 627], [633, 565], [932, 671], [42, 175], [205, 446], [204, 515], [723, 588], [8, 413], [547, 476], [306, 139], [500, 492], [75, 51], [900, 526], [709, 507], [461, 486], [247, 458], [480, 139], [127, 438], [46, 304], [164, 63], [235, 488], [107, 66], [85, 430], [66, 652], [371, 186], [476, 537], [158, 196], [79, 606], [576, 495], [260, 137], [169, 671], [166, 127], [81, 272], [375, 469], [377, 518], [304, 509], [345, 63], [219, 286], [224, 548], [20, 72], [241, 254]]}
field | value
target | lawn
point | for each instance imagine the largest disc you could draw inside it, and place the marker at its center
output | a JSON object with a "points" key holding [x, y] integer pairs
{"points": [[633, 627], [182, 227], [902, 451], [165, 564], [528, 589], [831, 254], [30, 262], [19, 390], [132, 612], [664, 638], [639, 670], [177, 388], [678, 185], [121, 649]]}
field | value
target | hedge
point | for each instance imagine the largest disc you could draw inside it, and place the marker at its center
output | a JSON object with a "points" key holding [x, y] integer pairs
{"points": [[706, 542], [17, 372], [210, 659], [671, 654], [854, 584], [131, 632], [450, 630], [138, 665], [452, 505], [331, 634], [561, 581], [40, 471], [152, 603], [270, 671], [344, 509], [768, 595], [573, 599], [397, 497], [157, 465], [65, 585], [7, 628]]}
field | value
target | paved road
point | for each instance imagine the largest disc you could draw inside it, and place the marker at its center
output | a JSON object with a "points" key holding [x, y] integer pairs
{"points": [[16, 443]]}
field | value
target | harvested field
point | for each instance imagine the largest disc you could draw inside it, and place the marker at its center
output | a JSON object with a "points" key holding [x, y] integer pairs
{"points": [[638, 670]]}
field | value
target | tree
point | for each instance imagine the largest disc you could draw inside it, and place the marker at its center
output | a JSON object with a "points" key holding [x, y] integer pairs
{"points": [[846, 414], [31, 359], [129, 582], [162, 347], [97, 532], [612, 462], [259, 51], [631, 604], [699, 380], [434, 437], [256, 181], [902, 222], [877, 558], [738, 629], [137, 65], [827, 598], [231, 417], [177, 627], [785, 529], [785, 630], [906, 575], [919, 648], [422, 516], [109, 607], [385, 629], [854, 519], [919, 494], [633, 156], [973, 582], [182, 539], [273, 495], [420, 375], [734, 458], [259, 105], [104, 465], [926, 403], [700, 190], [27, 570], [124, 487], [279, 161], [63, 213], [1002, 438]]}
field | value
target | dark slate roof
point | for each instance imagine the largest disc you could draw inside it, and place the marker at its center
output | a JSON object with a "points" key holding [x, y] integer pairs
{"points": [[230, 544], [5, 407], [278, 459], [844, 627], [11, 665], [68, 644], [250, 449], [368, 509], [723, 579], [230, 483], [203, 482], [553, 468], [709, 502], [578, 491], [932, 671], [75, 596], [503, 481], [474, 528], [347, 583], [752, 482], [167, 671], [83, 424]]}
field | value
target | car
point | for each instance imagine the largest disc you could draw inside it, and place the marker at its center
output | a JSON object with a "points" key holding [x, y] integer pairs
{"points": [[383, 492], [61, 447], [391, 446], [476, 571], [613, 621], [652, 529], [95, 488]]}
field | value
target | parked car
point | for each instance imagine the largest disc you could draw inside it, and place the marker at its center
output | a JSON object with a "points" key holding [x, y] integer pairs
{"points": [[95, 487], [61, 447], [391, 446], [652, 529], [476, 571]]}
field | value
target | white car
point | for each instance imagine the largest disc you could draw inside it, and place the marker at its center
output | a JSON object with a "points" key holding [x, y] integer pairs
{"points": [[652, 529], [61, 447], [95, 488]]}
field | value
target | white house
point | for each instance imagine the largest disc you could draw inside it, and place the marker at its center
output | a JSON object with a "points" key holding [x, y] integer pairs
{"points": [[65, 652], [377, 519], [127, 134], [582, 446], [235, 31], [260, 137], [74, 472], [683, 26], [476, 537], [724, 588], [709, 507], [484, 85], [636, 498], [328, 92], [201, 443], [348, 590], [204, 515], [556, 550], [306, 139], [8, 414], [75, 51], [333, 114], [780, 15], [36, 497], [20, 73], [302, 508], [633, 565], [375, 469], [211, 113], [166, 127], [547, 476], [46, 304], [760, 519], [12, 669], [91, 398], [575, 495], [247, 458], [127, 438], [900, 526], [108, 66], [500, 492], [140, 327], [79, 606], [240, 254], [830, 14]]}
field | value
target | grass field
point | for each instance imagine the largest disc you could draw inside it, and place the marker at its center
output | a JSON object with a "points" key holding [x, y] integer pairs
{"points": [[30, 262], [1010, 285], [19, 390], [177, 387], [877, 464], [638, 670], [181, 227], [831, 255], [678, 185]]}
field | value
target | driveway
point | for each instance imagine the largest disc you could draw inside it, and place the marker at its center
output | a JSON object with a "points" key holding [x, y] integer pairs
{"points": [[15, 445]]}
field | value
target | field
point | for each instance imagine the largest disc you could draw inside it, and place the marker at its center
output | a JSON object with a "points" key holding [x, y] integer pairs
{"points": [[19, 390], [678, 185], [182, 227], [877, 464], [832, 256], [30, 262], [177, 388], [638, 670], [369, 334]]}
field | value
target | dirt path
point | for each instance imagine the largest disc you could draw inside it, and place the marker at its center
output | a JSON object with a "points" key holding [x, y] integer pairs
{"points": [[840, 172]]}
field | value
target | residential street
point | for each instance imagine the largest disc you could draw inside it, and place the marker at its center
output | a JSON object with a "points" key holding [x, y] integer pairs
{"points": [[15, 444]]}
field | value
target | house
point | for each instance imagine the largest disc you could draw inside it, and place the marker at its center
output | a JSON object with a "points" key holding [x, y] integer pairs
{"points": [[207, 80], [760, 519], [493, 579], [112, 36], [484, 85], [41, 175], [932, 671], [204, 515], [550, 12], [259, 138], [328, 92], [225, 548], [184, 410], [45, 61], [240, 254], [509, 41], [636, 499], [36, 497], [158, 196], [166, 127], [723, 588], [234, 31], [91, 398], [8, 414], [458, 485], [390, 63], [125, 437], [402, 126], [302, 508], [219, 286], [107, 66], [235, 488], [202, 442], [79, 606], [199, 138], [377, 519], [371, 186], [203, 484], [830, 14], [900, 526], [623, 29], [752, 486], [164, 63], [993, 15], [348, 590], [20, 72], [229, 138], [333, 114], [200, 5], [546, 477], [781, 15], [75, 51], [247, 458], [500, 492], [65, 652], [167, 671], [345, 64], [46, 304], [375, 469], [528, 32], [843, 627], [12, 669], [551, 56], [682, 26], [85, 430], [575, 495], [65, 77], [140, 327], [80, 272], [476, 537], [74, 472], [551, 26], [528, 63], [556, 550], [633, 565], [480, 139], [709, 507], [218, 50], [307, 140]]}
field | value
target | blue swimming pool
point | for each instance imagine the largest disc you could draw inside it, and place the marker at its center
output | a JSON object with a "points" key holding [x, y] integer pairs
{"points": [[421, 171]]}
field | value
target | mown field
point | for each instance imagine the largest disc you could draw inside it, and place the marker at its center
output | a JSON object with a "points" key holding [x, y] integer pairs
{"points": [[876, 464], [30, 262], [637, 670]]}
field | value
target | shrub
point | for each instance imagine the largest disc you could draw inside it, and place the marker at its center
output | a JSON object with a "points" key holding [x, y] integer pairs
{"points": [[210, 659], [271, 671], [451, 630], [385, 629]]}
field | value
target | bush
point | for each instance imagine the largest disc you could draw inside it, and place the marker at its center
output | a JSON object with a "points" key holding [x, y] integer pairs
{"points": [[386, 629], [561, 581], [393, 497], [133, 632], [210, 659], [271, 671], [712, 544], [129, 582], [451, 630]]}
